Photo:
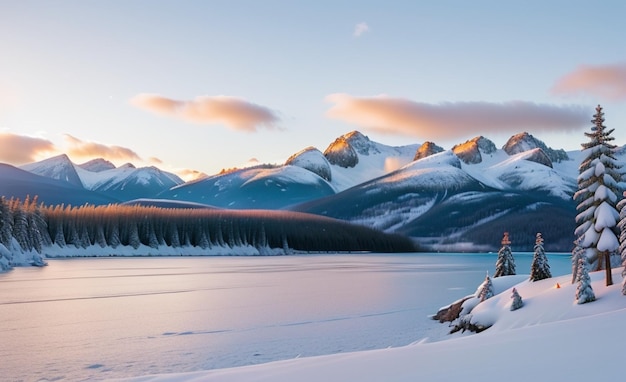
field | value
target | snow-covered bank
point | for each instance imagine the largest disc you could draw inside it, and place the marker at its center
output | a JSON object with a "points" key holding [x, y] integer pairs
{"points": [[546, 339]]}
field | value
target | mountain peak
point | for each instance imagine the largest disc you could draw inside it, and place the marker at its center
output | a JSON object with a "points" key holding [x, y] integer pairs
{"points": [[58, 167], [469, 152], [427, 149], [97, 165], [313, 160], [524, 141], [341, 153]]}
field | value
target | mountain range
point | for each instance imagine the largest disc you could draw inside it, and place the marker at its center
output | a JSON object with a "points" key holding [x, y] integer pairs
{"points": [[456, 199]]}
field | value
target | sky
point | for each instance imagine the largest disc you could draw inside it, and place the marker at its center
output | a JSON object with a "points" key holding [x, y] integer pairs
{"points": [[198, 86]]}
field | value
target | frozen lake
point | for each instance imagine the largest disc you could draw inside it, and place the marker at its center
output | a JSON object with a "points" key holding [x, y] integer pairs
{"points": [[119, 317]]}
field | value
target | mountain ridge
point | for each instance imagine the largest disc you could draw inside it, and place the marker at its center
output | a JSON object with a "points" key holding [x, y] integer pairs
{"points": [[407, 189]]}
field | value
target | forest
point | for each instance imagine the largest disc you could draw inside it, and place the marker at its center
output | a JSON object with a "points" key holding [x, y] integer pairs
{"points": [[36, 227]]}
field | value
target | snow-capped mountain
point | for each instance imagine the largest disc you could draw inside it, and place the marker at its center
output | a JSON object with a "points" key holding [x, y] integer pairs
{"points": [[122, 183], [18, 183], [97, 165], [260, 187], [59, 167], [128, 182], [355, 159], [313, 160], [467, 194]]}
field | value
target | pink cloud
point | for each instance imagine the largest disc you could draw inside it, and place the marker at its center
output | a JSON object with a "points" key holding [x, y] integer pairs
{"points": [[236, 113], [81, 148], [608, 81], [385, 114], [19, 149], [189, 175]]}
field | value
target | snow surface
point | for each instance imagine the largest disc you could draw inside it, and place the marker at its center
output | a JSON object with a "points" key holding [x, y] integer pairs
{"points": [[545, 340]]}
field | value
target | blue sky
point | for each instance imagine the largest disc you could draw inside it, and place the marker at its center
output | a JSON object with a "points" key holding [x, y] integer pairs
{"points": [[206, 85]]}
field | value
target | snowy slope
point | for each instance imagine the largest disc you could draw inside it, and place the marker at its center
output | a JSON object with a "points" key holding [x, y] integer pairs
{"points": [[518, 172], [543, 341]]}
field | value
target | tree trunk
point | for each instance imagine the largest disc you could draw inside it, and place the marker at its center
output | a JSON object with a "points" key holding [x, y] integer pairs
{"points": [[607, 267]]}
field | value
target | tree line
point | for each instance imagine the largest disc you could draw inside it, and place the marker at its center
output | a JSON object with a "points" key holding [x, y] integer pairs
{"points": [[36, 226]]}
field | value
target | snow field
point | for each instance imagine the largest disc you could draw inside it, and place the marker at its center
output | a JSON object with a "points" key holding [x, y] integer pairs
{"points": [[545, 340]]}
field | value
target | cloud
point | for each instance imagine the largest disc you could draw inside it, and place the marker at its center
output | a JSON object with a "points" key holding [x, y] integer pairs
{"points": [[608, 81], [236, 113], [20, 149], [80, 148], [189, 175], [389, 115], [360, 28]]}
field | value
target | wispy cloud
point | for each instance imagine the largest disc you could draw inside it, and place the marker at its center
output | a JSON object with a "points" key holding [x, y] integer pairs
{"points": [[360, 28], [607, 82], [19, 149], [233, 112], [84, 149], [452, 119]]}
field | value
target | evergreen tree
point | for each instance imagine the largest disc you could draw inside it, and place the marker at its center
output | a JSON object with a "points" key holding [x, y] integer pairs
{"points": [[486, 289], [539, 269], [6, 223], [584, 292], [133, 235], [517, 300], [621, 206], [505, 264], [598, 187], [577, 253], [20, 226]]}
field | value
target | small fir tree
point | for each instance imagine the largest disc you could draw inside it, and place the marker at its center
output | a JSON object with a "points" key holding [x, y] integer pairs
{"points": [[577, 253], [505, 265], [621, 206], [486, 289], [517, 300], [539, 269], [584, 292]]}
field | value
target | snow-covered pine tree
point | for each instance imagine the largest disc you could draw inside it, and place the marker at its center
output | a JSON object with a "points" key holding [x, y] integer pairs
{"points": [[486, 289], [517, 300], [6, 223], [20, 225], [598, 187], [505, 264], [621, 207], [577, 253], [584, 292], [539, 269]]}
